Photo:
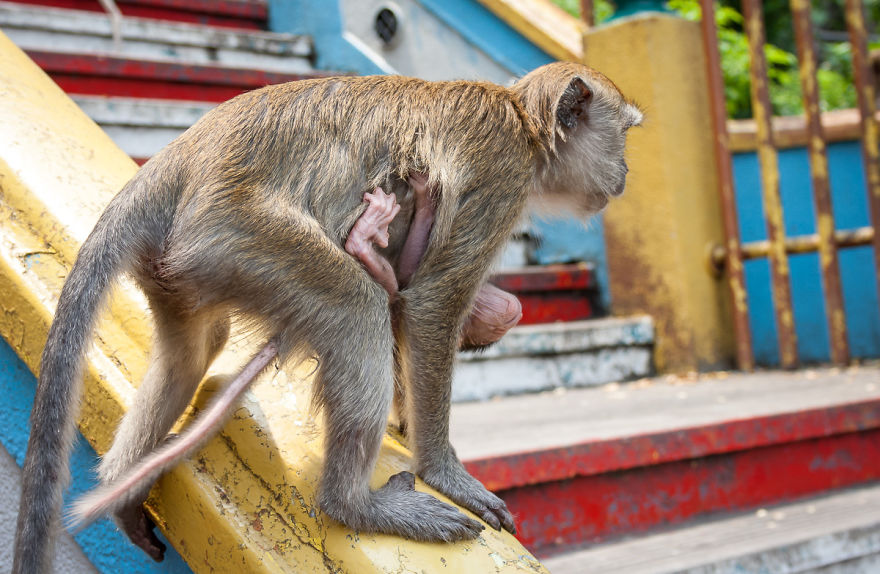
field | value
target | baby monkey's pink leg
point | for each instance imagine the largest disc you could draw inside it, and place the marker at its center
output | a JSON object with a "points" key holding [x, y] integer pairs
{"points": [[371, 229], [495, 311]]}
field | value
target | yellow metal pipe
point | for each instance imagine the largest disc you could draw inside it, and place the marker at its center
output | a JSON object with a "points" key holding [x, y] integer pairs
{"points": [[246, 502], [547, 26]]}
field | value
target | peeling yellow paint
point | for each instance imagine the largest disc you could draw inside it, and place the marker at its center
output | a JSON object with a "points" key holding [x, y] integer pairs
{"points": [[657, 232], [825, 227], [246, 502]]}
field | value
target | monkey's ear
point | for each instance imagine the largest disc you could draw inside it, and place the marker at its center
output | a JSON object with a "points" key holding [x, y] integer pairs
{"points": [[573, 105]]}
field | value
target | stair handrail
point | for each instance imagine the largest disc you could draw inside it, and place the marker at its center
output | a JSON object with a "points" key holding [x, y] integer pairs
{"points": [[115, 15]]}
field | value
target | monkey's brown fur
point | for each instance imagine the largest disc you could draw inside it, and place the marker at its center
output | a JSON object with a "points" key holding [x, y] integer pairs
{"points": [[246, 213]]}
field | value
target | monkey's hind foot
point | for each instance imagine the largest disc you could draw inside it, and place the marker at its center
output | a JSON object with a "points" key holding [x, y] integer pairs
{"points": [[133, 520], [398, 508], [455, 482]]}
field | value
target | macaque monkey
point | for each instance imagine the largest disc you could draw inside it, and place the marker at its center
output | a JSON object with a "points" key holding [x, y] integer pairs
{"points": [[248, 213]]}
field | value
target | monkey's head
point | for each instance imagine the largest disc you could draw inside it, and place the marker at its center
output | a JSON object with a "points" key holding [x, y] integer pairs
{"points": [[582, 119]]}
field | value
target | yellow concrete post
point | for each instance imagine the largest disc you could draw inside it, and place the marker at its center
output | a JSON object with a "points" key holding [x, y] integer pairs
{"points": [[246, 502], [658, 233]]}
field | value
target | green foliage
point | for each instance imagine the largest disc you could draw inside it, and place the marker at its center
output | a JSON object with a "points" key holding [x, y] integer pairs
{"points": [[834, 75], [603, 8]]}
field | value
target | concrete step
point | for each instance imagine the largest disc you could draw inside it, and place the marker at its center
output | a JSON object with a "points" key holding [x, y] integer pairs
{"points": [[242, 14], [588, 465], [540, 357], [142, 127], [82, 32], [136, 77], [838, 533]]}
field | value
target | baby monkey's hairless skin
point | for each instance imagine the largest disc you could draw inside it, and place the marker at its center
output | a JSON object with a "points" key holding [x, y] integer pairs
{"points": [[494, 311]]}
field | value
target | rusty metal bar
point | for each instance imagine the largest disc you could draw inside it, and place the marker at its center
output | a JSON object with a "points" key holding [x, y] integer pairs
{"points": [[816, 145], [736, 285], [858, 237], [588, 14], [779, 271], [864, 79]]}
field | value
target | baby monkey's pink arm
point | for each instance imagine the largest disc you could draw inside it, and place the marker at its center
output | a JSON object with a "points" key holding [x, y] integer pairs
{"points": [[371, 229]]}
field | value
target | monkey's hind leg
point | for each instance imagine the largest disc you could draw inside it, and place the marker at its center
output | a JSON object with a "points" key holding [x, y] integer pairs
{"points": [[355, 386], [184, 346]]}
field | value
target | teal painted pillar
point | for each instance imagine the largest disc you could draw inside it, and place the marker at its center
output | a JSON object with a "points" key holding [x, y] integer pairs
{"points": [[629, 7]]}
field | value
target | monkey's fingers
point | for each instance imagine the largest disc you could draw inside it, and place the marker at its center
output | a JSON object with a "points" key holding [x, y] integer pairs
{"points": [[381, 237], [488, 516], [506, 519], [496, 516], [140, 530]]}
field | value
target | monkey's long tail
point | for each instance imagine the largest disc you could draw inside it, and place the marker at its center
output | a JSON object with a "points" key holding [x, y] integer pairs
{"points": [[118, 233], [109, 497]]}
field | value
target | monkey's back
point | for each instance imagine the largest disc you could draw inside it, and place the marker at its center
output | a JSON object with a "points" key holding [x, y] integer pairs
{"points": [[302, 154], [348, 134]]}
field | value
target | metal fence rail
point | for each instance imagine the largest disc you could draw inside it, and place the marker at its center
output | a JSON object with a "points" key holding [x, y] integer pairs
{"points": [[827, 240], [731, 254], [864, 79], [817, 146]]}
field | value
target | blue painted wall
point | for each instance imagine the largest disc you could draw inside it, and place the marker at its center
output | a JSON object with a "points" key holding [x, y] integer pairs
{"points": [[107, 548], [850, 204]]}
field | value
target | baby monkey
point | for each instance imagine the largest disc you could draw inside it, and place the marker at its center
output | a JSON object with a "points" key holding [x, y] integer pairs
{"points": [[256, 211], [494, 311]]}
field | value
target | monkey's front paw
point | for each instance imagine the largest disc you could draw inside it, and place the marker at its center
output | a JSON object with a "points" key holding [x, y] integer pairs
{"points": [[398, 508], [455, 482]]}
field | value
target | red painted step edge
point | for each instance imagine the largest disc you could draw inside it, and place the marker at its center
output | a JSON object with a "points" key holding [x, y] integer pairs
{"points": [[550, 293], [243, 14], [545, 278], [115, 76], [587, 509], [554, 306], [604, 456]]}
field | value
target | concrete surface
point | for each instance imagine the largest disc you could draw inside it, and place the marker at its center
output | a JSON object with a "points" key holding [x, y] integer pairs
{"points": [[571, 416], [837, 534]]}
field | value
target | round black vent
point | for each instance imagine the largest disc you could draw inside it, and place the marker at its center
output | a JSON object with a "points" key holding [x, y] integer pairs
{"points": [[386, 25]]}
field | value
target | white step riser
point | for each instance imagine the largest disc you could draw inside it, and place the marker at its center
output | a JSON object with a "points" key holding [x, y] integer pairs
{"points": [[834, 534], [142, 127], [575, 354], [569, 337], [141, 143], [481, 380], [87, 32]]}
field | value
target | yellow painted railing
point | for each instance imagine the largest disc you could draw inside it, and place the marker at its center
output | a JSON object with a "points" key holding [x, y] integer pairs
{"points": [[246, 502], [544, 24]]}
